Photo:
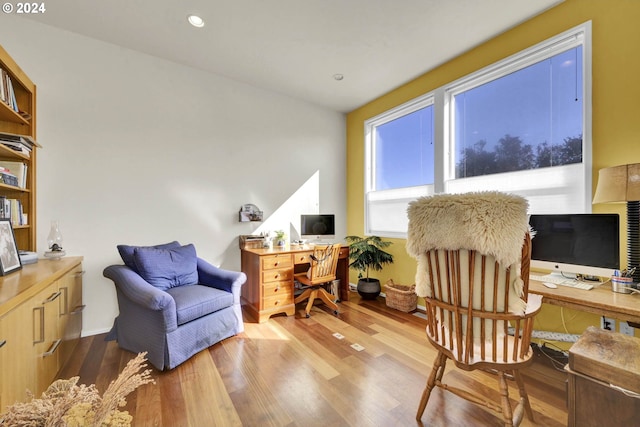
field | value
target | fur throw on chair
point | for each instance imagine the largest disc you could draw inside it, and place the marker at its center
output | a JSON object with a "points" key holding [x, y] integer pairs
{"points": [[489, 222]]}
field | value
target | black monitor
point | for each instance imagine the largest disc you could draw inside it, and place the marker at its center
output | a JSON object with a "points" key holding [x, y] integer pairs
{"points": [[587, 244], [317, 226]]}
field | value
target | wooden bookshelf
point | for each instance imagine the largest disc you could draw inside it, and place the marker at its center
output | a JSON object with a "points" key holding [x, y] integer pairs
{"points": [[23, 123]]}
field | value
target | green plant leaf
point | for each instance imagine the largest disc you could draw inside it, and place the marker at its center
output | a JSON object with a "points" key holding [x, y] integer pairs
{"points": [[366, 253]]}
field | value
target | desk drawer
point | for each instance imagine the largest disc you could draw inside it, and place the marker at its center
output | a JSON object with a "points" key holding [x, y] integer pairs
{"points": [[275, 289], [277, 301], [302, 257], [277, 275], [276, 261]]}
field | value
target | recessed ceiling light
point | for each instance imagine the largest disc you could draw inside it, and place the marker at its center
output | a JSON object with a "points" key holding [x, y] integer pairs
{"points": [[338, 77], [196, 21]]}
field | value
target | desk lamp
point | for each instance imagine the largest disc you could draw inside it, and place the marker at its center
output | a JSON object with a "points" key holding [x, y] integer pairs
{"points": [[622, 184]]}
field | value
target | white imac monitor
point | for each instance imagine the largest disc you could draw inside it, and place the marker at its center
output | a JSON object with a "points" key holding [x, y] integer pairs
{"points": [[576, 244], [317, 227]]}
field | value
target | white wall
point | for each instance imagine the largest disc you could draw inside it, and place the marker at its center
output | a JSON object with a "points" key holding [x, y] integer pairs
{"points": [[140, 150]]}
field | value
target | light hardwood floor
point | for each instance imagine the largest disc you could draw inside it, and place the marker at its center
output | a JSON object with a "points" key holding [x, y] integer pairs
{"points": [[292, 371]]}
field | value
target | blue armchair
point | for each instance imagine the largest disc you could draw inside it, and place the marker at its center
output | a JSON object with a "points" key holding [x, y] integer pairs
{"points": [[172, 303]]}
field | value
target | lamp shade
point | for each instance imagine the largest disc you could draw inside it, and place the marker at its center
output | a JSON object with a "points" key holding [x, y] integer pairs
{"points": [[618, 184]]}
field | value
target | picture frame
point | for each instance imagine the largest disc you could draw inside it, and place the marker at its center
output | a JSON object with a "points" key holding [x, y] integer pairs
{"points": [[9, 256]]}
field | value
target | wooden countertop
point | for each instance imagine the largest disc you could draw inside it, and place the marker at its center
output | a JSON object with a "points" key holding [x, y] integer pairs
{"points": [[19, 286], [600, 300]]}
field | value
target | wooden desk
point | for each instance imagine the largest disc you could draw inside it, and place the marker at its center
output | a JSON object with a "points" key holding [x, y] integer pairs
{"points": [[269, 287], [600, 300]]}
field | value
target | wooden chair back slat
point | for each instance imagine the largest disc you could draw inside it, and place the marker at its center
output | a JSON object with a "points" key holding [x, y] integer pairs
{"points": [[324, 263], [459, 279]]}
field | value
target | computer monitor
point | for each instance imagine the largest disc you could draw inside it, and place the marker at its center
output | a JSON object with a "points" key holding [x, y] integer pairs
{"points": [[317, 226], [572, 244]]}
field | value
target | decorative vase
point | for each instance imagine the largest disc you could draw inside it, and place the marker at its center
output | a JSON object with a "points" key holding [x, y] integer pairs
{"points": [[369, 288]]}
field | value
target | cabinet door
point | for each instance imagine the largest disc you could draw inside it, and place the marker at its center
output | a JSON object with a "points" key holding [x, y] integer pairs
{"points": [[17, 358], [71, 307], [46, 337]]}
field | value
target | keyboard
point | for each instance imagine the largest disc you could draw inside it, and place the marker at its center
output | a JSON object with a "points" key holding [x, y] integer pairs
{"points": [[561, 281]]}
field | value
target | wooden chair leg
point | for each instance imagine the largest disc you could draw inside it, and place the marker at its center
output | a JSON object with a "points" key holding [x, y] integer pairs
{"points": [[524, 397], [436, 375], [326, 297], [303, 296], [507, 414], [314, 294]]}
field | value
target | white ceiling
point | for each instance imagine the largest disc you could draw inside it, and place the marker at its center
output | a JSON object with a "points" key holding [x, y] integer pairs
{"points": [[294, 47]]}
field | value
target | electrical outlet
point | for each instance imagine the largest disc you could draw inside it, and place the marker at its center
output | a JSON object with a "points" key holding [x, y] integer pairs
{"points": [[608, 323], [626, 329]]}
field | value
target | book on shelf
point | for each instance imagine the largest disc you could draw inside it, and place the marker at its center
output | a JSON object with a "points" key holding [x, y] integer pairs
{"points": [[17, 147], [14, 207], [3, 92], [11, 209], [7, 92], [17, 139], [18, 169], [8, 179]]}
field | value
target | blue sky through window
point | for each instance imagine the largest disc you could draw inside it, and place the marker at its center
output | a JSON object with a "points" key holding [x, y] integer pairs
{"points": [[404, 151], [540, 103]]}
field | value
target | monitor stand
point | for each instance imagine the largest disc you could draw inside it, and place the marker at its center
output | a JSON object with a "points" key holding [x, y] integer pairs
{"points": [[320, 242]]}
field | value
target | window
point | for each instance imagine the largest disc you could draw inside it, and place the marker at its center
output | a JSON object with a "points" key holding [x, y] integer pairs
{"points": [[400, 156], [521, 125]]}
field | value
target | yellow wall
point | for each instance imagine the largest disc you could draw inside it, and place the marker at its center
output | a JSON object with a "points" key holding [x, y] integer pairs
{"points": [[616, 109]]}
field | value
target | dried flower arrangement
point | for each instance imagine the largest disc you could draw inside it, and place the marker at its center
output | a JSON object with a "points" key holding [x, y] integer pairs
{"points": [[66, 404]]}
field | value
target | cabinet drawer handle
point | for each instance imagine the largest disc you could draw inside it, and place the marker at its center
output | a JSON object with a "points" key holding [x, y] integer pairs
{"points": [[52, 297], [275, 264], [276, 303], [276, 276], [64, 303], [41, 339], [79, 273], [52, 349], [2, 343], [78, 309], [276, 289]]}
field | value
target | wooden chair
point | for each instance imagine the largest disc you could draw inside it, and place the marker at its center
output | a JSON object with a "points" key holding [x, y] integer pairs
{"points": [[471, 321], [324, 262]]}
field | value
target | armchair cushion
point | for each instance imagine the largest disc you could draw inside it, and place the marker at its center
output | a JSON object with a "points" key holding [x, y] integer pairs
{"points": [[167, 268], [126, 252], [193, 302]]}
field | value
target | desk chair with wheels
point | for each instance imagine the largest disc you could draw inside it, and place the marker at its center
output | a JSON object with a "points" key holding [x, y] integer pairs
{"points": [[473, 253], [324, 262]]}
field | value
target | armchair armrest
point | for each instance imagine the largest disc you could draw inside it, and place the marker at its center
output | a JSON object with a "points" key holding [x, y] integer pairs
{"points": [[227, 280], [138, 290]]}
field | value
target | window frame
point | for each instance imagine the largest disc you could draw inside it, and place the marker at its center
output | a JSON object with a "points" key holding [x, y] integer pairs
{"points": [[443, 125]]}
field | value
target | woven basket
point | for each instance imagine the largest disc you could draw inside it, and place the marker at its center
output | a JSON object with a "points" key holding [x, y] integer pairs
{"points": [[401, 297]]}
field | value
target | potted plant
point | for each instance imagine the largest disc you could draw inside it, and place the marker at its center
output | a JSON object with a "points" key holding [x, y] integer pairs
{"points": [[280, 238], [367, 253]]}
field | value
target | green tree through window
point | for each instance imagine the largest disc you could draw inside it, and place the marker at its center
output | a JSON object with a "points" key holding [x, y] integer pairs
{"points": [[511, 154]]}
